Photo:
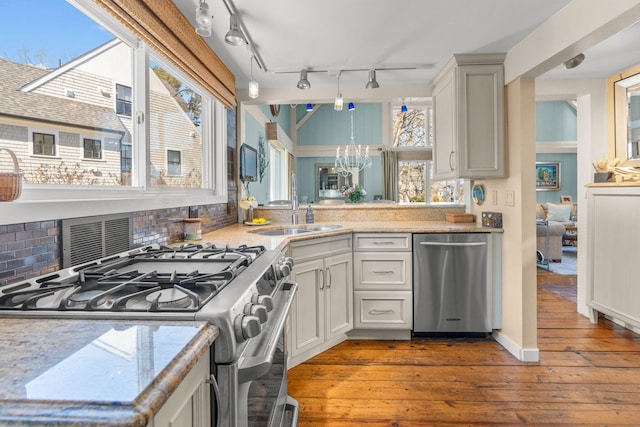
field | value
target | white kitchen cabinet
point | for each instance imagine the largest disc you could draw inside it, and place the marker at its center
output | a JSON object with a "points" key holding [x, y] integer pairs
{"points": [[382, 282], [613, 232], [468, 98], [190, 403], [322, 311]]}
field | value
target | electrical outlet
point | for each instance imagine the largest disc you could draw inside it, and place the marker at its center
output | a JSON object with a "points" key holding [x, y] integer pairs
{"points": [[494, 197], [509, 197]]}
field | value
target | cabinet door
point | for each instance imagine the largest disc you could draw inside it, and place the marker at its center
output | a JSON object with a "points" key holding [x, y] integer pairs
{"points": [[307, 310], [480, 121], [444, 155], [339, 294]]}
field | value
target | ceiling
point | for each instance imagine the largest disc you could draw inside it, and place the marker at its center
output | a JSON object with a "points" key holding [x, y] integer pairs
{"points": [[329, 36]]}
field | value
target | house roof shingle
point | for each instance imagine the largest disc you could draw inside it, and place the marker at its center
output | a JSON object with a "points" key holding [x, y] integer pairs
{"points": [[35, 106]]}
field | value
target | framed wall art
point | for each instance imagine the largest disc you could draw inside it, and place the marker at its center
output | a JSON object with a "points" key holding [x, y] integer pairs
{"points": [[547, 176]]}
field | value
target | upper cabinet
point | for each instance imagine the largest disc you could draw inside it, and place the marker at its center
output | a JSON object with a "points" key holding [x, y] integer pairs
{"points": [[468, 97]]}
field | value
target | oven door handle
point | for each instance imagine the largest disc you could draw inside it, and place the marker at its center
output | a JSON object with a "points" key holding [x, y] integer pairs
{"points": [[253, 367]]}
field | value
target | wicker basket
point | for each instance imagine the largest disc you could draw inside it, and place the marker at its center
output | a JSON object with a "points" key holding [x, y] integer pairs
{"points": [[10, 182]]}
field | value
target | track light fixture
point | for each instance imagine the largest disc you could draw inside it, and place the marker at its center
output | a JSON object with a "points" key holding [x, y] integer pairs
{"points": [[309, 107], [203, 19], [303, 83], [254, 86], [234, 36], [339, 102], [372, 84]]}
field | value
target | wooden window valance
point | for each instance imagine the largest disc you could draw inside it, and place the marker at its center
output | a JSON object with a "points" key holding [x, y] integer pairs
{"points": [[161, 25]]}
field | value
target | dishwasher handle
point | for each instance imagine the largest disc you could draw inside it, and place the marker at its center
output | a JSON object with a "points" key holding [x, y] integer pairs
{"points": [[453, 244]]}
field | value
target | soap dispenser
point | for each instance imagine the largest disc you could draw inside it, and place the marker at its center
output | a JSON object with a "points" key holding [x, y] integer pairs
{"points": [[309, 215]]}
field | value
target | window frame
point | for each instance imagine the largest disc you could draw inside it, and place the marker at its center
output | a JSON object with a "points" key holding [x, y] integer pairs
{"points": [[121, 101], [169, 164], [53, 144], [84, 148], [140, 195]]}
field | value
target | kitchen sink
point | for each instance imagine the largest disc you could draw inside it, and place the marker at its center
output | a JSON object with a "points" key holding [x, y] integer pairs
{"points": [[325, 227], [283, 232], [297, 229]]}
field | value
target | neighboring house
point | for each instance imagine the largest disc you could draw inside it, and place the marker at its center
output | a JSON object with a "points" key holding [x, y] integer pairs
{"points": [[74, 124]]}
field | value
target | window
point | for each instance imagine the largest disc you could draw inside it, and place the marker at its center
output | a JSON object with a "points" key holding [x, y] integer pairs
{"points": [[175, 121], [125, 164], [123, 100], [413, 137], [44, 144], [92, 148], [278, 171], [174, 164]]}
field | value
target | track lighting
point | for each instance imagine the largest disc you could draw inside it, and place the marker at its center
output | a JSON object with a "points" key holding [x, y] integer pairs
{"points": [[203, 19], [234, 36], [309, 107], [303, 83], [372, 84], [339, 102], [254, 86], [351, 106]]}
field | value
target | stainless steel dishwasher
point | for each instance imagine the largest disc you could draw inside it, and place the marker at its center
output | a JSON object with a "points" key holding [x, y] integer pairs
{"points": [[450, 284]]}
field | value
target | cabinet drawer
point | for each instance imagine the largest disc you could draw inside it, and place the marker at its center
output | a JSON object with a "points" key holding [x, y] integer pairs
{"points": [[399, 242], [376, 271], [383, 310]]}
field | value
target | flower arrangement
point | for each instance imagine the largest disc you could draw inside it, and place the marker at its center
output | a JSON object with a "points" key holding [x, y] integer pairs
{"points": [[248, 202], [355, 194]]}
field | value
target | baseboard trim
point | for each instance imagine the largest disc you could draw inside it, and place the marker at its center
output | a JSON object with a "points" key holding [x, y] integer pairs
{"points": [[520, 353]]}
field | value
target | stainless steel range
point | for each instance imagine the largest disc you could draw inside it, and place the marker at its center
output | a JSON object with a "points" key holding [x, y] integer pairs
{"points": [[242, 290]]}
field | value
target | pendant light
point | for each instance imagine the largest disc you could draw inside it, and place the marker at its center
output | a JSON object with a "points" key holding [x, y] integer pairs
{"points": [[351, 106], [203, 19], [339, 102], [254, 86], [309, 107], [234, 36]]}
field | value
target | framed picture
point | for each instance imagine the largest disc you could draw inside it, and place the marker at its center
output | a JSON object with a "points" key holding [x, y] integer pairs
{"points": [[547, 176], [566, 199]]}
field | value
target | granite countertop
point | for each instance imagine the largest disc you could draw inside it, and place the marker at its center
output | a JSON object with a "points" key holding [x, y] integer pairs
{"points": [[248, 234], [69, 372]]}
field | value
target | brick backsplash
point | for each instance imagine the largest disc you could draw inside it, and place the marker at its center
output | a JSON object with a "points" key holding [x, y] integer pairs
{"points": [[33, 249]]}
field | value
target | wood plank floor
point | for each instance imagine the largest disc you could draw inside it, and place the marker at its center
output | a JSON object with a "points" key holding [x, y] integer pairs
{"points": [[587, 375]]}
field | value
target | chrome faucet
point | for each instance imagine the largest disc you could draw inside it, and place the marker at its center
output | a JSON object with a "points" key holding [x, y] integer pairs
{"points": [[294, 200]]}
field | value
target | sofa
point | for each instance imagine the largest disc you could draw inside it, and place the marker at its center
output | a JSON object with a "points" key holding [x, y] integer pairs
{"points": [[558, 217]]}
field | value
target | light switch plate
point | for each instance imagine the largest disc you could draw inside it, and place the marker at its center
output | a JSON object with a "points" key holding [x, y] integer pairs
{"points": [[509, 197]]}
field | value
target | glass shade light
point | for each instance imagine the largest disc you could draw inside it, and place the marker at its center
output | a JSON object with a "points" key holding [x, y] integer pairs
{"points": [[309, 107], [351, 106], [254, 89], [203, 19], [234, 36], [303, 83], [372, 84], [574, 62], [338, 103], [403, 108]]}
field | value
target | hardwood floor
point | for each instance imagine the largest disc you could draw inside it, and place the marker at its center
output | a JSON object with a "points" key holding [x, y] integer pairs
{"points": [[587, 375]]}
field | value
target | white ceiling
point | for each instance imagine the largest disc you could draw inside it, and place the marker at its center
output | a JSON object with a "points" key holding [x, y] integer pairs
{"points": [[333, 35]]}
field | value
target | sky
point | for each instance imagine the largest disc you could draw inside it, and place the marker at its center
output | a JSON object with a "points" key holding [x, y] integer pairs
{"points": [[53, 28]]}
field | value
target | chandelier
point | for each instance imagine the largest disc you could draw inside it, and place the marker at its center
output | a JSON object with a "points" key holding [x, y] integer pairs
{"points": [[354, 159]]}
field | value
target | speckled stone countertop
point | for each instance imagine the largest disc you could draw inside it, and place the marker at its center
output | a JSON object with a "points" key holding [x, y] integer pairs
{"points": [[68, 372], [246, 234]]}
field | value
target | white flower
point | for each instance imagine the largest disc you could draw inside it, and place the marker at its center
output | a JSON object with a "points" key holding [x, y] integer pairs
{"points": [[248, 203]]}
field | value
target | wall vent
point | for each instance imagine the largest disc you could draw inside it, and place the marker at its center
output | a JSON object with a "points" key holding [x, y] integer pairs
{"points": [[89, 238]]}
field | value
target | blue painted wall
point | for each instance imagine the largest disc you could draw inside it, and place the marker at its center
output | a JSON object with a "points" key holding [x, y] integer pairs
{"points": [[253, 131], [329, 127], [557, 121]]}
